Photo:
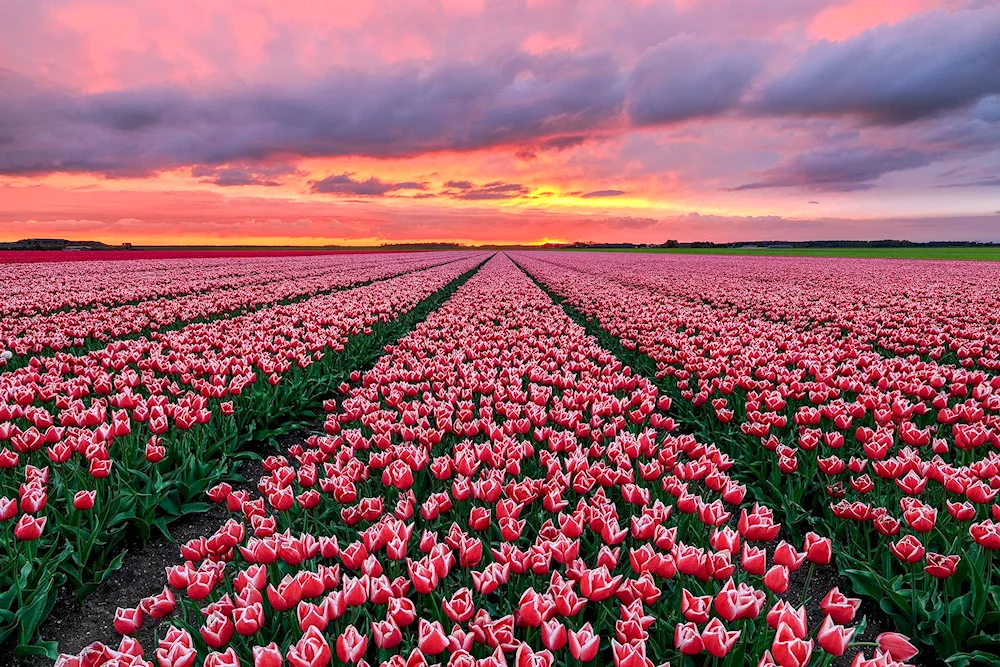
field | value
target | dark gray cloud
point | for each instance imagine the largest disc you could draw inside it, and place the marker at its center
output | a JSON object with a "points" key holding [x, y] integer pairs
{"points": [[838, 169], [519, 100], [531, 103], [234, 175], [597, 194], [688, 77], [346, 184], [920, 67], [983, 183], [975, 129], [487, 191]]}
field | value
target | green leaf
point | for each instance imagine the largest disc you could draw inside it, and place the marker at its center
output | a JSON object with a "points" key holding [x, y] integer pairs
{"points": [[195, 508], [30, 616], [161, 525], [974, 657], [123, 517], [45, 649]]}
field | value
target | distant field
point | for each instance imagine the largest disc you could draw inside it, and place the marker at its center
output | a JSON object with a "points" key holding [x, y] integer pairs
{"points": [[992, 254], [180, 252]]}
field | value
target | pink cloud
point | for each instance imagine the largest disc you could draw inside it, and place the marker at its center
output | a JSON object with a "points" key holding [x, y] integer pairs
{"points": [[743, 108]]}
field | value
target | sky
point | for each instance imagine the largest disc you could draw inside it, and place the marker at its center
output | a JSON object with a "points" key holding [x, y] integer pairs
{"points": [[311, 122]]}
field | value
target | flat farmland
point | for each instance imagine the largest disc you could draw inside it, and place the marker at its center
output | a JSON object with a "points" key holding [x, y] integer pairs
{"points": [[484, 459]]}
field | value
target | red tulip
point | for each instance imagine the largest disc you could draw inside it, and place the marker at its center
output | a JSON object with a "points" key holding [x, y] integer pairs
{"points": [[583, 643], [986, 534], [159, 606], [598, 584], [964, 511], [754, 560], [460, 607], [687, 639], [226, 659], [402, 611], [127, 621], [840, 608], [431, 638], [84, 500], [789, 650], [717, 640], [217, 630], [29, 528], [479, 518], [351, 646], [833, 638], [786, 555], [794, 619], [940, 566], [8, 458], [630, 655], [553, 634], [387, 634], [248, 620], [267, 656], [100, 468], [920, 518], [896, 645], [695, 608], [758, 526], [819, 550], [739, 602], [8, 509], [308, 615], [776, 579], [34, 500], [909, 549], [311, 650], [176, 654]]}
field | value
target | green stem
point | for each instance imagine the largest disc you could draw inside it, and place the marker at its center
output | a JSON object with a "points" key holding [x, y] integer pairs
{"points": [[805, 587]]}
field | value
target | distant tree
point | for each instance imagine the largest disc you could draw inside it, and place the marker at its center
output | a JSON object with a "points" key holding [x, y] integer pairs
{"points": [[671, 243]]}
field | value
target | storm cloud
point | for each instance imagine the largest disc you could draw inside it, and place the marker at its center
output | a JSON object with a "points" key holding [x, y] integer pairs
{"points": [[514, 101], [531, 103], [346, 184], [236, 175], [837, 169], [488, 191], [687, 77], [920, 67]]}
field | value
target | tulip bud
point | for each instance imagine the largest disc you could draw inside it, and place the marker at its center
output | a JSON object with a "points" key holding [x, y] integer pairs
{"points": [[84, 500], [896, 645]]}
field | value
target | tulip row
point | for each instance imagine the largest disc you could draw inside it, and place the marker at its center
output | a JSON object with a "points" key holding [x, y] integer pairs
{"points": [[900, 307], [82, 284], [500, 474], [124, 438], [837, 432], [94, 326]]}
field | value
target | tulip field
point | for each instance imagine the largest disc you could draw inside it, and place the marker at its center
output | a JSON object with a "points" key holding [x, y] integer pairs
{"points": [[510, 459]]}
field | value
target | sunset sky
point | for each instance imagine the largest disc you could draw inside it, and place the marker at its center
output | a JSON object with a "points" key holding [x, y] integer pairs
{"points": [[312, 122]]}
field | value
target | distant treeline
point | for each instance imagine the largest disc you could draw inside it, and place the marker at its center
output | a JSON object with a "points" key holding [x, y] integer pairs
{"points": [[422, 246], [55, 244]]}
